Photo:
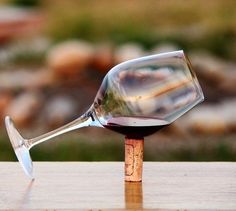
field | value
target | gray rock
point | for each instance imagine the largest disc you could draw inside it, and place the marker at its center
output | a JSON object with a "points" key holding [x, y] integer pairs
{"points": [[5, 100], [59, 110], [24, 107], [164, 48], [128, 51], [216, 76], [227, 111], [103, 59], [68, 59], [206, 120], [213, 119], [25, 79]]}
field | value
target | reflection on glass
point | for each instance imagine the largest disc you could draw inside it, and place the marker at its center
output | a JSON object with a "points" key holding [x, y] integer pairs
{"points": [[133, 195], [136, 98]]}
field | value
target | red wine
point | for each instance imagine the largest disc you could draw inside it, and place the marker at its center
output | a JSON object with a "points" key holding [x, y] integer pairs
{"points": [[135, 127], [134, 132], [135, 99]]}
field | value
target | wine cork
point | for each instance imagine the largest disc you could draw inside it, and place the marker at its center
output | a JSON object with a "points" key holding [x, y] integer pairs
{"points": [[133, 159]]}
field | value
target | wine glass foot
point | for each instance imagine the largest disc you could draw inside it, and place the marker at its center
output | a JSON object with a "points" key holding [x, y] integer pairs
{"points": [[21, 150]]}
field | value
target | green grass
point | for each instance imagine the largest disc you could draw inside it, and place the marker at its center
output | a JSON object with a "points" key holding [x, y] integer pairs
{"points": [[6, 151], [79, 150], [189, 24], [109, 147]]}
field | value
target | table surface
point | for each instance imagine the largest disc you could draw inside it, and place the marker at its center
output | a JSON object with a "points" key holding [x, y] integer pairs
{"points": [[100, 185]]}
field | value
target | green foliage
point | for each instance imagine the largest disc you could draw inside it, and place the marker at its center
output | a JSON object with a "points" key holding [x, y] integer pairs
{"points": [[80, 149], [76, 27], [6, 153], [194, 25], [28, 57], [25, 3], [107, 148], [113, 102]]}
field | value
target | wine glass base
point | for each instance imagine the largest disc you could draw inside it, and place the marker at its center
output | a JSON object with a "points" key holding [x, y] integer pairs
{"points": [[21, 151]]}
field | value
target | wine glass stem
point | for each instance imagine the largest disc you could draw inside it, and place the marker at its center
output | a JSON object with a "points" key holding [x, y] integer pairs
{"points": [[85, 120]]}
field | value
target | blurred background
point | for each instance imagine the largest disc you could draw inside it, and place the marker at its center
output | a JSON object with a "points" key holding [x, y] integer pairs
{"points": [[54, 55]]}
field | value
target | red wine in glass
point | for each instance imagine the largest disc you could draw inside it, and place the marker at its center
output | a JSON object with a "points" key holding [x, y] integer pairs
{"points": [[136, 99]]}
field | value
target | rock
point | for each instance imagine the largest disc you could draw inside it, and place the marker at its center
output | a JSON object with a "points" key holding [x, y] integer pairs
{"points": [[69, 59], [128, 51], [5, 100], [164, 48], [227, 111], [18, 22], [228, 85], [28, 51], [208, 67], [23, 108], [103, 59], [213, 119], [25, 79], [174, 130], [212, 74], [207, 120], [59, 110], [210, 62]]}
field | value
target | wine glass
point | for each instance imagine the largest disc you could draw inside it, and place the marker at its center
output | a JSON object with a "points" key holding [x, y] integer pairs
{"points": [[136, 98]]}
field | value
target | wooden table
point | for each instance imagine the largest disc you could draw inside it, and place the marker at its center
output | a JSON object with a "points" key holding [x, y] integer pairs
{"points": [[100, 185]]}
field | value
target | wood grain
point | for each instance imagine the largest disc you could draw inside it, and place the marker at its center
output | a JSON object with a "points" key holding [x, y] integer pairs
{"points": [[100, 185]]}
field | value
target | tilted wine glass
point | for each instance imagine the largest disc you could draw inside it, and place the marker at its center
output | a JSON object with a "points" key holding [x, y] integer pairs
{"points": [[136, 98]]}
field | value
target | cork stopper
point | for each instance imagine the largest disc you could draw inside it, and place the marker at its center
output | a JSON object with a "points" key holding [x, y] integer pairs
{"points": [[133, 159]]}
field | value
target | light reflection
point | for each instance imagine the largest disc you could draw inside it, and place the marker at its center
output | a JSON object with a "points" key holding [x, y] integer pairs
{"points": [[133, 195], [26, 196]]}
